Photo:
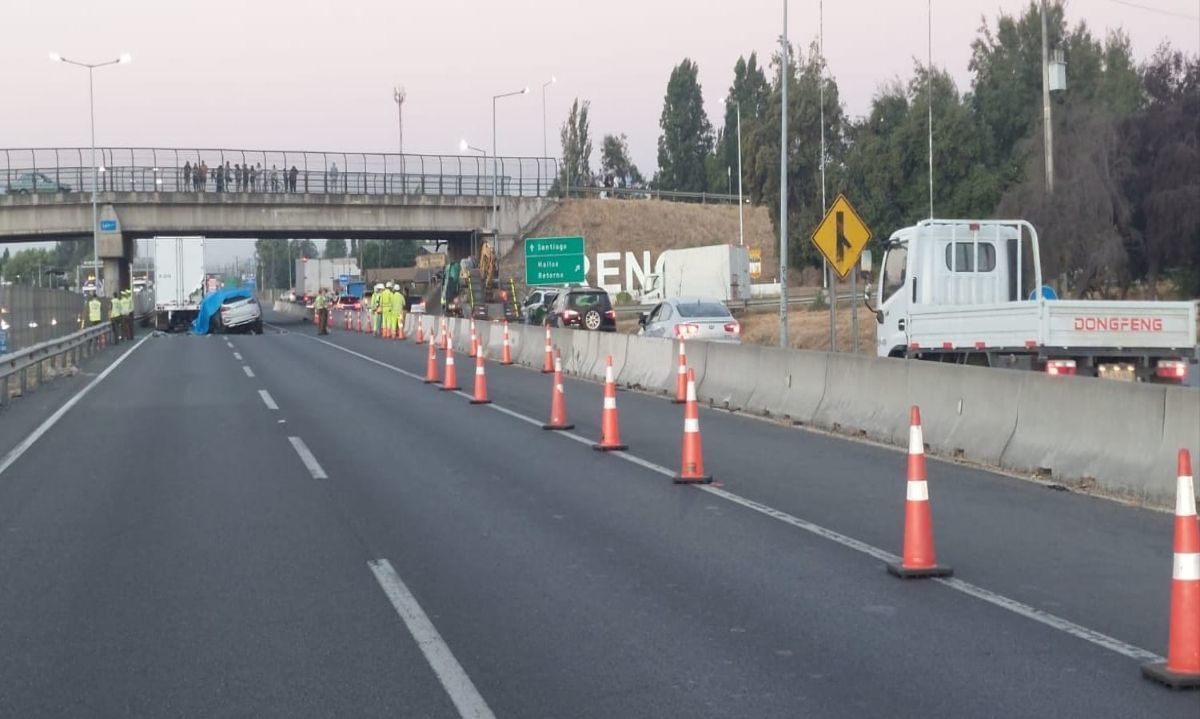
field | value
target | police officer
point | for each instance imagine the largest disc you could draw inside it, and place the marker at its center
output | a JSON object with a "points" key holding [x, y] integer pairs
{"points": [[127, 313], [114, 317], [321, 307], [398, 308], [385, 309]]}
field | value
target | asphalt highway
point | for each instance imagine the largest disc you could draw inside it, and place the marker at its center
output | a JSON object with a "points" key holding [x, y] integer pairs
{"points": [[292, 525]]}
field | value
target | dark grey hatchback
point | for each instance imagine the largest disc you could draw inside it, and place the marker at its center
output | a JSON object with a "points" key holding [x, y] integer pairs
{"points": [[587, 308]]}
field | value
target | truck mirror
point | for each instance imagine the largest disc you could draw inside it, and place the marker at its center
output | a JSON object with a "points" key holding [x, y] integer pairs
{"points": [[865, 264]]}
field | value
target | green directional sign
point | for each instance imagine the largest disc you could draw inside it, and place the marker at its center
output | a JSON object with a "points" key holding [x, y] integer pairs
{"points": [[553, 260]]}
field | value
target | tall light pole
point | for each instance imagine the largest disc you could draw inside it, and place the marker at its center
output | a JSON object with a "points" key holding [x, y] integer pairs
{"points": [[125, 58], [464, 146], [1047, 128], [738, 105], [398, 94], [495, 176], [784, 76], [546, 84]]}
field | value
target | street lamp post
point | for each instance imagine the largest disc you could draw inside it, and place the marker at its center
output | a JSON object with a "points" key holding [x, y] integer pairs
{"points": [[398, 94], [548, 83], [785, 71], [495, 175], [125, 58], [738, 105], [464, 146]]}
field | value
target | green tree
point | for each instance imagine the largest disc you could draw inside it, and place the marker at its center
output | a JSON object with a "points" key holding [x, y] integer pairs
{"points": [[388, 253], [335, 248], [751, 90], [761, 155], [687, 136], [576, 168], [26, 266], [615, 159]]}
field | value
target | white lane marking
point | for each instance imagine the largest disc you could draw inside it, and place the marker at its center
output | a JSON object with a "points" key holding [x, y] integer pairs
{"points": [[237, 356], [267, 399], [15, 453], [450, 673], [249, 372], [314, 467], [998, 600]]}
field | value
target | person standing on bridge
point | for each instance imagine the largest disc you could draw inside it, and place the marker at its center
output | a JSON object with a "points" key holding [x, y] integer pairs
{"points": [[292, 174], [274, 177], [187, 175], [333, 178], [200, 180], [321, 306], [228, 174]]}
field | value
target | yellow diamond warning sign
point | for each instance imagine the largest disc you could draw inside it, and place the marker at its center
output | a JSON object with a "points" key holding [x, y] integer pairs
{"points": [[841, 236]]}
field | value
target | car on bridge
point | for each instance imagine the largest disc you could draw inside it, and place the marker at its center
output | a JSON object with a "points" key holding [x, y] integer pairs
{"points": [[28, 182]]}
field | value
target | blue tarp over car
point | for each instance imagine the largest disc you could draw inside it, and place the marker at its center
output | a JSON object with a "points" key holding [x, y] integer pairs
{"points": [[211, 305]]}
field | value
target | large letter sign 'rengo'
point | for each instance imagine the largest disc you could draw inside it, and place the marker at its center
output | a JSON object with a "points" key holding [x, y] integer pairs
{"points": [[622, 271]]}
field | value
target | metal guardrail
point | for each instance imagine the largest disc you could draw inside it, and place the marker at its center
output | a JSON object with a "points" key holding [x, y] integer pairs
{"points": [[645, 193], [20, 364], [137, 169], [755, 303]]}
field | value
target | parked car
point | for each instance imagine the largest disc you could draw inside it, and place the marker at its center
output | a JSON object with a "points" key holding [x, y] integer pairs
{"points": [[28, 182], [587, 308], [691, 318], [536, 304], [238, 313]]}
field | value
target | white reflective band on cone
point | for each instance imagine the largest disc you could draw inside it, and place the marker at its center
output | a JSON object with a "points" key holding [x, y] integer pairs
{"points": [[918, 491], [1185, 497], [691, 426], [558, 388], [608, 378], [479, 370], [691, 391], [916, 442], [610, 403], [1187, 567], [450, 359], [682, 369], [558, 364]]}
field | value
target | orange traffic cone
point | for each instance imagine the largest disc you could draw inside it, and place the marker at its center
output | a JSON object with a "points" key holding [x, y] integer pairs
{"points": [[558, 399], [681, 377], [420, 332], [449, 379], [1182, 668], [692, 467], [474, 340], [506, 356], [919, 560], [400, 335], [481, 395], [445, 337], [431, 368], [610, 434], [548, 365]]}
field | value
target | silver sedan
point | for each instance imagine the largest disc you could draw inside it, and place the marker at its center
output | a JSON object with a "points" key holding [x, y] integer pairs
{"points": [[691, 318]]}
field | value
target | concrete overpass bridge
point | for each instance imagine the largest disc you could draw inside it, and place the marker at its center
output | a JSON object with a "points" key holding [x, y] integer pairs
{"points": [[142, 192]]}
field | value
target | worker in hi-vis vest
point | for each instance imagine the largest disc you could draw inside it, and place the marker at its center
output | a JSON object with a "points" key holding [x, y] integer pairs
{"points": [[114, 318], [95, 311], [376, 312], [398, 308], [385, 308]]}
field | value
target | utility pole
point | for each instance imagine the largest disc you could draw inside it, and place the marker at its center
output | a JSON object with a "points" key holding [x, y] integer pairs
{"points": [[784, 72], [1046, 126]]}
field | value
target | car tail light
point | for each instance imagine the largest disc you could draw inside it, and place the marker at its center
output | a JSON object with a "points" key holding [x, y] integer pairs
{"points": [[569, 314], [732, 328], [611, 314], [686, 330], [1171, 369], [1060, 367]]}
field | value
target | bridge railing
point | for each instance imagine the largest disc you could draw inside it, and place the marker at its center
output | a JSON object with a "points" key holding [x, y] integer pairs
{"points": [[133, 169]]}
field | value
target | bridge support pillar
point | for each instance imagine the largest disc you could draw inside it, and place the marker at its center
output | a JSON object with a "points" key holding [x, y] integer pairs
{"points": [[115, 250]]}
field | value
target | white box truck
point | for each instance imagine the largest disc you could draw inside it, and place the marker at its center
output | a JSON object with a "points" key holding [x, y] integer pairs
{"points": [[178, 280], [971, 292], [720, 271]]}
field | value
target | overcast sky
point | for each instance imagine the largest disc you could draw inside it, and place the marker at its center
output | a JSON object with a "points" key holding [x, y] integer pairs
{"points": [[313, 74]]}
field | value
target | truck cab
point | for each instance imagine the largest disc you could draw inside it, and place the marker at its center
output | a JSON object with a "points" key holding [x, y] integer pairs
{"points": [[971, 292]]}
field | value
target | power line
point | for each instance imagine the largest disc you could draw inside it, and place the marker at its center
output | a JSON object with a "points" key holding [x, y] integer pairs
{"points": [[1160, 11]]}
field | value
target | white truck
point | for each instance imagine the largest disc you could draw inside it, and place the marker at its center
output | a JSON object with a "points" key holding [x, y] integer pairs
{"points": [[720, 271], [178, 280], [971, 292]]}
